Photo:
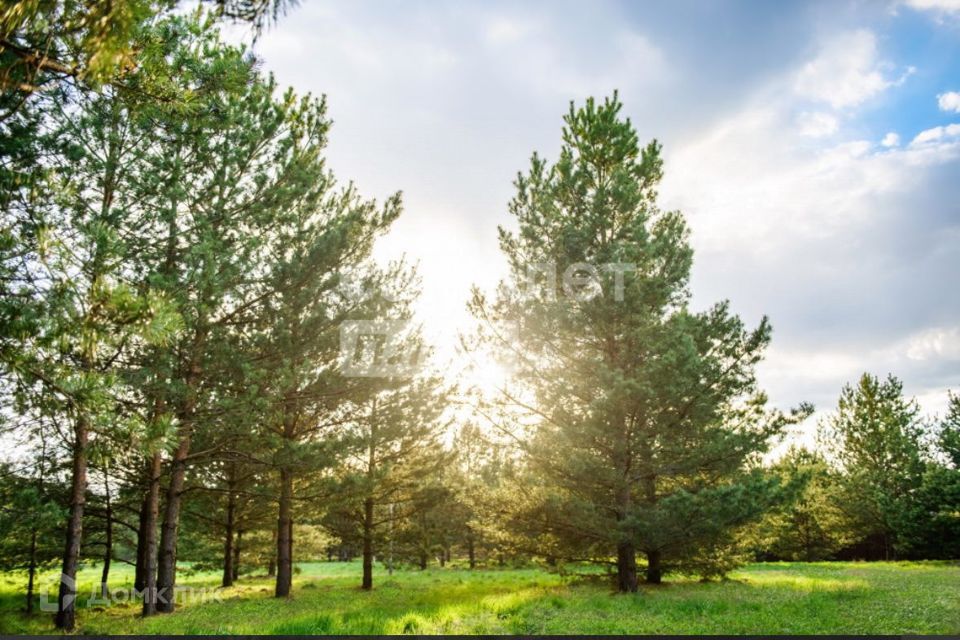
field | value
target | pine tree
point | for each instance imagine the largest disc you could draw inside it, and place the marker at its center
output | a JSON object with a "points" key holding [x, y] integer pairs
{"points": [[93, 313], [475, 481], [936, 532], [31, 516], [875, 439], [811, 526], [233, 173], [48, 41], [322, 237], [948, 439], [647, 414], [396, 433]]}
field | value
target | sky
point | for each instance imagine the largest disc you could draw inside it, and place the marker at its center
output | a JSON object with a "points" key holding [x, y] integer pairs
{"points": [[813, 147]]}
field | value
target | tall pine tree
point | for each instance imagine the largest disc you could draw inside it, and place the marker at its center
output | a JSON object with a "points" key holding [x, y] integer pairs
{"points": [[646, 417]]}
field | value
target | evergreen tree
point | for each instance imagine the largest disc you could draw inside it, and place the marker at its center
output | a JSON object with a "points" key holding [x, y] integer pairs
{"points": [[476, 480], [425, 532], [46, 41], [323, 237], [398, 450], [875, 439], [92, 313], [31, 517], [948, 438], [938, 532], [812, 526], [648, 417], [234, 172]]}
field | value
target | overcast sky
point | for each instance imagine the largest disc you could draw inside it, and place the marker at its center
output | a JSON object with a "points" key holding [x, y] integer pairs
{"points": [[814, 148]]}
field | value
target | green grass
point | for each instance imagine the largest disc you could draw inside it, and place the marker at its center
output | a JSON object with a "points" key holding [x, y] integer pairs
{"points": [[781, 598]]}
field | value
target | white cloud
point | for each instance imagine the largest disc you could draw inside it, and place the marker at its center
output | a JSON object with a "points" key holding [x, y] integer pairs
{"points": [[943, 6], [821, 372], [835, 239], [933, 344], [832, 366], [845, 73], [949, 101], [749, 194], [817, 124], [503, 29], [629, 61], [936, 134]]}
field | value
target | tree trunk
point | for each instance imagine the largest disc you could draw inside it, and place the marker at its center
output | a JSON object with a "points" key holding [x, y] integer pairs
{"points": [[423, 562], [150, 513], [471, 552], [626, 568], [367, 544], [284, 536], [367, 583], [66, 599], [159, 580], [272, 567], [32, 567], [390, 545], [228, 543], [167, 565], [31, 570], [236, 554], [654, 573], [140, 571], [108, 544]]}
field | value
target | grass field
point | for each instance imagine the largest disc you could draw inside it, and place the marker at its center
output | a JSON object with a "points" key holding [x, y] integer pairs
{"points": [[782, 598]]}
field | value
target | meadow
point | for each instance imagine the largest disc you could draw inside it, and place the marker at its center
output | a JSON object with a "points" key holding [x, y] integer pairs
{"points": [[776, 598]]}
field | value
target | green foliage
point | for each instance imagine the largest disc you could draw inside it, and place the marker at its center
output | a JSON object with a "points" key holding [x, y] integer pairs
{"points": [[812, 526], [30, 518], [478, 483], [648, 417], [949, 436], [875, 439], [44, 41], [937, 532]]}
